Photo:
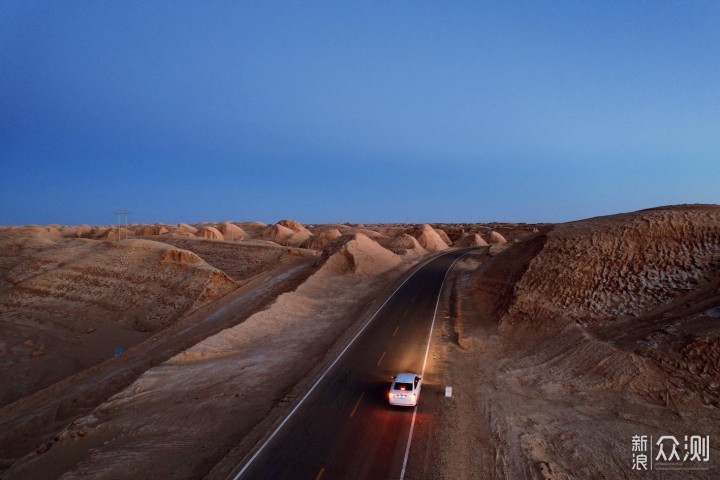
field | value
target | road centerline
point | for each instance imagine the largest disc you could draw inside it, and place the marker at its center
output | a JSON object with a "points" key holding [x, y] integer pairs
{"points": [[381, 358], [357, 404]]}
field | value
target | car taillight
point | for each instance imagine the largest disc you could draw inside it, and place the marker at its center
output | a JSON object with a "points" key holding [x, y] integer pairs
{"points": [[413, 395], [391, 395]]}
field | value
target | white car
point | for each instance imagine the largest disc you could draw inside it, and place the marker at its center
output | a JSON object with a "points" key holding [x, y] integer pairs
{"points": [[405, 389]]}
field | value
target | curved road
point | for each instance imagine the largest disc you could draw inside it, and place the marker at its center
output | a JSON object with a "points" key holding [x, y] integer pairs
{"points": [[343, 428]]}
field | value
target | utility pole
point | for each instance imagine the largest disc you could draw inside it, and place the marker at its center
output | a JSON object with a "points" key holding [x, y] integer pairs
{"points": [[119, 213]]}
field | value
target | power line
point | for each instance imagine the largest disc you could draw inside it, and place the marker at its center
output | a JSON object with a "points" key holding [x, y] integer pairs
{"points": [[119, 213]]}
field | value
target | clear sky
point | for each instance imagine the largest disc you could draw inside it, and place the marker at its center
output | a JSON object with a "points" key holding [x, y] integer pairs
{"points": [[326, 111]]}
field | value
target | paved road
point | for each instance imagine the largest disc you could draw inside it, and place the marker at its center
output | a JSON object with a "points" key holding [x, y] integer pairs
{"points": [[344, 428]]}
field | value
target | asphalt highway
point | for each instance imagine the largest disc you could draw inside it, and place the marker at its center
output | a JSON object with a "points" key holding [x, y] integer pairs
{"points": [[344, 427]]}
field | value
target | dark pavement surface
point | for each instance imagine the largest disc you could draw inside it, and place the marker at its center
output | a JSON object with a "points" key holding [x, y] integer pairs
{"points": [[345, 429]]}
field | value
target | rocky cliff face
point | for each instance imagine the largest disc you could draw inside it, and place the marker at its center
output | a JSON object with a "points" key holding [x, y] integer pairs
{"points": [[621, 265]]}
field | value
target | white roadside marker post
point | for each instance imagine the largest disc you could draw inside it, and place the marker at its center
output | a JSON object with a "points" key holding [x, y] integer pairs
{"points": [[448, 391]]}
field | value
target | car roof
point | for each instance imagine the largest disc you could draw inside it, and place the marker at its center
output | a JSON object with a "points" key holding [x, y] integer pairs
{"points": [[405, 377]]}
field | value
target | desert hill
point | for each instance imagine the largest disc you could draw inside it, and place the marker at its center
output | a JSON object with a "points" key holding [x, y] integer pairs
{"points": [[404, 244], [68, 303], [429, 239], [321, 238], [625, 264], [360, 255], [184, 227], [231, 231], [471, 240], [583, 334], [239, 260], [209, 232], [287, 232]]}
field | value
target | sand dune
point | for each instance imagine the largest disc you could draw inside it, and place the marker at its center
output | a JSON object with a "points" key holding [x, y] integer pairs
{"points": [[184, 227], [321, 239], [369, 233], [497, 239], [404, 244], [341, 227], [444, 236], [231, 231], [211, 233], [287, 232], [252, 229], [471, 240], [114, 234], [148, 230], [278, 233], [360, 255], [76, 231], [429, 239], [292, 225]]}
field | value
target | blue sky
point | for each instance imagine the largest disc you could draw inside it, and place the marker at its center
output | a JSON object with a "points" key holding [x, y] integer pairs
{"points": [[356, 111]]}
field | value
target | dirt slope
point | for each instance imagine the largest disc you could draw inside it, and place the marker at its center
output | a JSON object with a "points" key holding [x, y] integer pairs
{"points": [[564, 347], [361, 256], [239, 260], [404, 244], [231, 231], [67, 304], [621, 265], [471, 240], [429, 239], [321, 238]]}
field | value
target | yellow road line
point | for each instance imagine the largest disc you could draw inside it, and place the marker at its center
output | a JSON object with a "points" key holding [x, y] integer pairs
{"points": [[357, 404], [320, 474], [381, 357]]}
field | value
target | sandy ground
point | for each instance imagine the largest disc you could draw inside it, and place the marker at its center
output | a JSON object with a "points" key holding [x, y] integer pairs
{"points": [[32, 422], [69, 299], [240, 261], [68, 304]]}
